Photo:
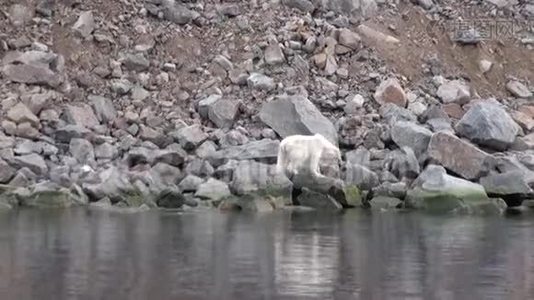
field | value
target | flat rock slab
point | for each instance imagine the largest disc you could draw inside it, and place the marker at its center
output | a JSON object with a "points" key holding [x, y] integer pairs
{"points": [[292, 115], [458, 156]]}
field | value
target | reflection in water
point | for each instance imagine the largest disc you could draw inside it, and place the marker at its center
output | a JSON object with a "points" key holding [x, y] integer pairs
{"points": [[80, 254]]}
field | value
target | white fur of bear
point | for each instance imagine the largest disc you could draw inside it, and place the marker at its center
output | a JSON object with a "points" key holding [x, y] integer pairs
{"points": [[302, 153]]}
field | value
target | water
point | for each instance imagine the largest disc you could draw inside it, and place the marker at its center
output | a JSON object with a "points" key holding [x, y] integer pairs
{"points": [[87, 254]]}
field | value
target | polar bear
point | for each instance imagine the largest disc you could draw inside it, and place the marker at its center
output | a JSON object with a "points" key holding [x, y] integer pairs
{"points": [[302, 153]]}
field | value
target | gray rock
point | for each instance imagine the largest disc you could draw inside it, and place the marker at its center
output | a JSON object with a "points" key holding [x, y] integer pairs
{"points": [[136, 62], [85, 25], [82, 150], [402, 163], [233, 138], [290, 115], [199, 167], [190, 137], [354, 8], [6, 171], [20, 15], [190, 183], [112, 183], [223, 112], [259, 81], [205, 104], [256, 205], [103, 108], [238, 76], [458, 156], [121, 86], [47, 195], [224, 62], [302, 5], [66, 133], [81, 115], [512, 187], [140, 94], [319, 201], [20, 113], [139, 155], [274, 55], [354, 104], [361, 177], [31, 74], [164, 176], [213, 189], [437, 192], [349, 39], [408, 134], [106, 151], [174, 157], [385, 203], [489, 125], [360, 156], [440, 125], [392, 114], [259, 180], [26, 130], [266, 150], [32, 161], [454, 91], [207, 149], [177, 13], [170, 198], [518, 89], [391, 189], [426, 4]]}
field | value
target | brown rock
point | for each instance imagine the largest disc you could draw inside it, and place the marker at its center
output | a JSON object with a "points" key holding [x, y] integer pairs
{"points": [[390, 91], [525, 121], [458, 156], [453, 110], [527, 110]]}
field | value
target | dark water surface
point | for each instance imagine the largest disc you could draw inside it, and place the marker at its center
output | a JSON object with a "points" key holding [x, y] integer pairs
{"points": [[86, 254]]}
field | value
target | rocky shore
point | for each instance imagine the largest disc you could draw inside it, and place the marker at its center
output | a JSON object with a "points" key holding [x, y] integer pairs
{"points": [[139, 105]]}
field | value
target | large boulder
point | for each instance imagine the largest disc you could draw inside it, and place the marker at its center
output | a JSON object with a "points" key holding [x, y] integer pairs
{"points": [[319, 201], [361, 177], [257, 180], [33, 161], [512, 187], [190, 137], [488, 124], [291, 115], [46, 195], [33, 67], [111, 183], [458, 156], [437, 192], [402, 163], [213, 189], [265, 150], [408, 134]]}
